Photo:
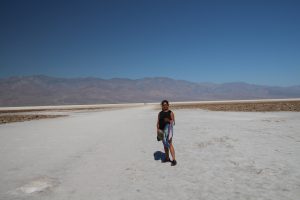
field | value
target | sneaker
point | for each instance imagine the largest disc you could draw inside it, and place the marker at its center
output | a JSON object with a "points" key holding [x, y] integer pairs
{"points": [[166, 160], [173, 163]]}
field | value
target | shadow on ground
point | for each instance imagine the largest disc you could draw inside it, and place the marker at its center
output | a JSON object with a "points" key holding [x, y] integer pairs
{"points": [[158, 155]]}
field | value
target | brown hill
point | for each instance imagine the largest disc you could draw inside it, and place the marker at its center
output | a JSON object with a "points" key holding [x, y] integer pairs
{"points": [[45, 90]]}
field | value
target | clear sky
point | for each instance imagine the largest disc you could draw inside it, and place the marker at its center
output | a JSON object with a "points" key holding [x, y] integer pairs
{"points": [[201, 41]]}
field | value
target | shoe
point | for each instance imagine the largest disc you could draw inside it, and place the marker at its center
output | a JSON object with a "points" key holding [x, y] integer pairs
{"points": [[166, 160], [173, 162]]}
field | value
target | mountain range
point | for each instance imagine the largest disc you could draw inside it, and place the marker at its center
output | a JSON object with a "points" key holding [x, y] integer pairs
{"points": [[40, 90]]}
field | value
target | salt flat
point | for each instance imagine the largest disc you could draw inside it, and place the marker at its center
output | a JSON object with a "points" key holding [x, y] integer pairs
{"points": [[113, 154]]}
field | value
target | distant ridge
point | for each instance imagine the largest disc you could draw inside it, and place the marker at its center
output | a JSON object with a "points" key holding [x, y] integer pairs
{"points": [[45, 90]]}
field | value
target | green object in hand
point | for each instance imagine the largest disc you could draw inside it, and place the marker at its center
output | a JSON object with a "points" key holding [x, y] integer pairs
{"points": [[160, 135]]}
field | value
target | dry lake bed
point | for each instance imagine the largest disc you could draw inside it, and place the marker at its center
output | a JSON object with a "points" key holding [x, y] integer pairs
{"points": [[113, 154]]}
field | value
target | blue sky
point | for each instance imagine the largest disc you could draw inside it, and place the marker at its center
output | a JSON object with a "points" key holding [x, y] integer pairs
{"points": [[201, 41]]}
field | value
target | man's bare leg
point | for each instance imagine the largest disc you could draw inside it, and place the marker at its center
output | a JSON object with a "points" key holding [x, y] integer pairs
{"points": [[173, 162], [172, 151]]}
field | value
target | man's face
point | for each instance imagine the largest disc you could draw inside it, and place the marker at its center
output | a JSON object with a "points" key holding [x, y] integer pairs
{"points": [[165, 106]]}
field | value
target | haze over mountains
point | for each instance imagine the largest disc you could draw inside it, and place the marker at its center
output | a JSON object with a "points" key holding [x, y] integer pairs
{"points": [[44, 90]]}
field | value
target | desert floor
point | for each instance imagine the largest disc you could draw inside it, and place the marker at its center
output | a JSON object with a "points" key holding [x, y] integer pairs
{"points": [[113, 154]]}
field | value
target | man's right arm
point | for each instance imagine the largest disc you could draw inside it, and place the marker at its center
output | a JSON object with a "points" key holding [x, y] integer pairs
{"points": [[157, 124]]}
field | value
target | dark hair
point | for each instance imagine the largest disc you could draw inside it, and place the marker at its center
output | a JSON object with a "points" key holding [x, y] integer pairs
{"points": [[164, 101]]}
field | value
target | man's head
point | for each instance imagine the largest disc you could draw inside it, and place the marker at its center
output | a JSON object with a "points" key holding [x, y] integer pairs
{"points": [[165, 104]]}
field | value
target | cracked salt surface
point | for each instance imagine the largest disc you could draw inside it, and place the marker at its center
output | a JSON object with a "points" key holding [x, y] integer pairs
{"points": [[90, 156]]}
